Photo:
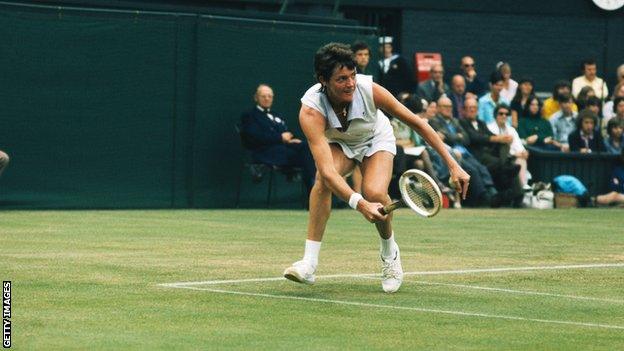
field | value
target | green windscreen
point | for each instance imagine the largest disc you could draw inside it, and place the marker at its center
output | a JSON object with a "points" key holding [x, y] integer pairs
{"points": [[111, 109]]}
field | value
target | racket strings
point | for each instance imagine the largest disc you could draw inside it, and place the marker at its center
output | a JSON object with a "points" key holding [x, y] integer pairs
{"points": [[422, 193]]}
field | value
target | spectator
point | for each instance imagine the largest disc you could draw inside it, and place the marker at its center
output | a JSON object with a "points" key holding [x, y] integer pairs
{"points": [[431, 110], [449, 128], [520, 102], [488, 102], [516, 149], [395, 74], [551, 105], [607, 109], [585, 93], [473, 83], [4, 161], [593, 104], [510, 86], [616, 196], [535, 131], [362, 57], [493, 152], [433, 88], [589, 78], [586, 139], [615, 138], [482, 191], [564, 122], [457, 94], [269, 140], [618, 113], [362, 53], [620, 74]]}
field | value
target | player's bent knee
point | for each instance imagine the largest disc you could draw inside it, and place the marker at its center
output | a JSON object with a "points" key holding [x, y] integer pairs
{"points": [[376, 194]]}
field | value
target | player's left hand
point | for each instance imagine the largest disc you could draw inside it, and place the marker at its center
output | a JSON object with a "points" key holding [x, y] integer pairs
{"points": [[459, 180]]}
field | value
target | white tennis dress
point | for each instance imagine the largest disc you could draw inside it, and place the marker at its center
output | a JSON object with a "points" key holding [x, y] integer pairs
{"points": [[369, 129]]}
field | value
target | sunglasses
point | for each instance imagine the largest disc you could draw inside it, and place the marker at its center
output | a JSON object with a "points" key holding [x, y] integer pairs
{"points": [[468, 65]]}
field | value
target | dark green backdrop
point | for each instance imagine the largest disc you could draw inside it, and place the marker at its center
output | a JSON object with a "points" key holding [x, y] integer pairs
{"points": [[111, 109]]}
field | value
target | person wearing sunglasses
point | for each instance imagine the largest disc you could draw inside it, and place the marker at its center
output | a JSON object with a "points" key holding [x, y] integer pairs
{"points": [[473, 83]]}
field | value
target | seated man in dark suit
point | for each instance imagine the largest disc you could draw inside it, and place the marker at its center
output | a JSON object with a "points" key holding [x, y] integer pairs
{"points": [[267, 137], [493, 151], [481, 191], [433, 88], [586, 139]]}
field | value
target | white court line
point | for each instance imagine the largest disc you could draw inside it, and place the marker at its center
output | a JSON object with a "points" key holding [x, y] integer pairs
{"points": [[418, 309], [363, 275], [512, 291]]}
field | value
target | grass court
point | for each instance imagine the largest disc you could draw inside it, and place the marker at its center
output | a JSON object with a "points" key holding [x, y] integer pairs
{"points": [[211, 279]]}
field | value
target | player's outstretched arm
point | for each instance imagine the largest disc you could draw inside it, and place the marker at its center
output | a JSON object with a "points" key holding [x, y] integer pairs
{"points": [[384, 100]]}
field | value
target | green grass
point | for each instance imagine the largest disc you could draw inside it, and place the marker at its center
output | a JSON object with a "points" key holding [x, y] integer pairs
{"points": [[89, 280]]}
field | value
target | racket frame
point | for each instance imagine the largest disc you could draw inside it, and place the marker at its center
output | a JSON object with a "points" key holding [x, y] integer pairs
{"points": [[405, 199]]}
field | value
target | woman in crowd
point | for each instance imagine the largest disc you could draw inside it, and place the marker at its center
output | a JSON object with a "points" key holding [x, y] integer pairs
{"points": [[510, 86], [608, 111], [520, 102], [534, 130], [583, 96], [615, 137], [516, 149]]}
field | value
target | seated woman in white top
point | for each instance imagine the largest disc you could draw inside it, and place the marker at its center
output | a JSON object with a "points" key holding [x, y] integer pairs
{"points": [[500, 127], [342, 120]]}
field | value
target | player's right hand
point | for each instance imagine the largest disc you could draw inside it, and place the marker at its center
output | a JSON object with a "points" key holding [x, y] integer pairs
{"points": [[286, 136], [370, 211]]}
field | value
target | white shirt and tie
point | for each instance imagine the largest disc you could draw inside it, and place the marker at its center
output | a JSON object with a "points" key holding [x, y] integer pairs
{"points": [[269, 115]]}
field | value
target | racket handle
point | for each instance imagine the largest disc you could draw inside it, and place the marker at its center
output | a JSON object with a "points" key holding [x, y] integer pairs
{"points": [[389, 208]]}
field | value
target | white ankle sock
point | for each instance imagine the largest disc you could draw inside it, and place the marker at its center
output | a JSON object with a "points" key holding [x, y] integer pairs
{"points": [[388, 247], [312, 249]]}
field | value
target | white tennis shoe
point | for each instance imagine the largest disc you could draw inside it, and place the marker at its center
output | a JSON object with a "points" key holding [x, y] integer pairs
{"points": [[391, 273], [301, 272]]}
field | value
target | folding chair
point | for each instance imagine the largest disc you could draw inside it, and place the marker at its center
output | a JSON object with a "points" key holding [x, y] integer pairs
{"points": [[259, 170]]}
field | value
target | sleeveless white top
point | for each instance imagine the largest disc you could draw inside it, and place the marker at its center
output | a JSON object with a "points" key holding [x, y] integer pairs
{"points": [[368, 126]]}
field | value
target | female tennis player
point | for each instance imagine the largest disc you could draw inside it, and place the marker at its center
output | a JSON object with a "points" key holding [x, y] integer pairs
{"points": [[342, 119]]}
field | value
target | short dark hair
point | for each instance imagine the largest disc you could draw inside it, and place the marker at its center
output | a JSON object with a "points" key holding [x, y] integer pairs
{"points": [[501, 106], [565, 97], [496, 76], [558, 85], [613, 122], [330, 57], [616, 102], [360, 45], [588, 62], [593, 101], [585, 114], [414, 103]]}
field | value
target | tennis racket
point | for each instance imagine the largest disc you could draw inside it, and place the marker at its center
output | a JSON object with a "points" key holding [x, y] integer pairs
{"points": [[419, 192]]}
